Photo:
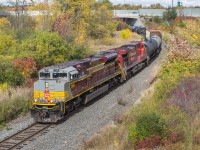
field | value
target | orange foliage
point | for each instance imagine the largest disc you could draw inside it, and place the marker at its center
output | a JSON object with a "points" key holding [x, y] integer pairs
{"points": [[27, 66]]}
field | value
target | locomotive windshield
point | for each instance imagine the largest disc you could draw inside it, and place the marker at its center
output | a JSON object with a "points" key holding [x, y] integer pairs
{"points": [[61, 75], [44, 75]]}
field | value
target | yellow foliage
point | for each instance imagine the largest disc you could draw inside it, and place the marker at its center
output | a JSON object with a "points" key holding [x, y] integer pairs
{"points": [[7, 44], [126, 34], [3, 87], [81, 32], [4, 23]]}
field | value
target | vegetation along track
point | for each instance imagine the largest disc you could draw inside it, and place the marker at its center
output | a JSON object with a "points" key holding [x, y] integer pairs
{"points": [[18, 140]]}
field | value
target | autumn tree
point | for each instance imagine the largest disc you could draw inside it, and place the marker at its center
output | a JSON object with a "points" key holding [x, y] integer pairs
{"points": [[101, 23], [26, 67], [80, 11]]}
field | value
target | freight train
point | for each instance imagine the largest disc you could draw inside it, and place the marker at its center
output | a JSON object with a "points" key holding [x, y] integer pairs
{"points": [[63, 87]]}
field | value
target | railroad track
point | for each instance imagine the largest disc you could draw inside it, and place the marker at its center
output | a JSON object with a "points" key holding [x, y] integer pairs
{"points": [[20, 139]]}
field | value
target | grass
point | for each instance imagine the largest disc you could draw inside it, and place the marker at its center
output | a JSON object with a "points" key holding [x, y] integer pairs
{"points": [[109, 43], [14, 102]]}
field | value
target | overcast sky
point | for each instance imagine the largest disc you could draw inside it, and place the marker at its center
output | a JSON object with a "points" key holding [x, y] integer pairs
{"points": [[146, 2]]}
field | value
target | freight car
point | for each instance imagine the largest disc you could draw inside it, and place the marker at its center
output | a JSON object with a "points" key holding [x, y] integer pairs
{"points": [[64, 87]]}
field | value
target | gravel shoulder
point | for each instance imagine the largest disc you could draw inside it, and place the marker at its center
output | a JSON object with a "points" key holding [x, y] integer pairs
{"points": [[89, 120]]}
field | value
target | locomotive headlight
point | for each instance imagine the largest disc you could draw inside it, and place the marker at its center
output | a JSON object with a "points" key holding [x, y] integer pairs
{"points": [[51, 101], [46, 85], [36, 100]]}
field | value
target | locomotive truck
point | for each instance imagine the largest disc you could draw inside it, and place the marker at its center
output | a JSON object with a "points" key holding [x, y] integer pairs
{"points": [[62, 88]]}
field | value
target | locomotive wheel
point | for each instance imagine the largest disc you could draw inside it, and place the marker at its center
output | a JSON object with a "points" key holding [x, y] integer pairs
{"points": [[148, 61]]}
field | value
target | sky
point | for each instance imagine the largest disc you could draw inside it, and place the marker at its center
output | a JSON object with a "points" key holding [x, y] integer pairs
{"points": [[145, 2]]}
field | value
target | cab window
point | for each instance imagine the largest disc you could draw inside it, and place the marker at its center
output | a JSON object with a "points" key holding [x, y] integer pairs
{"points": [[73, 76], [59, 75], [44, 75]]}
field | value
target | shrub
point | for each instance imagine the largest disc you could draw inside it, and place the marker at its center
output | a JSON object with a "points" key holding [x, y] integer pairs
{"points": [[181, 25], [186, 96], [157, 19], [126, 34], [10, 109], [4, 23], [13, 102], [147, 125]]}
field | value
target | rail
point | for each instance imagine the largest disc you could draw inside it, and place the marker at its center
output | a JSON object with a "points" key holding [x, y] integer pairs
{"points": [[19, 139]]}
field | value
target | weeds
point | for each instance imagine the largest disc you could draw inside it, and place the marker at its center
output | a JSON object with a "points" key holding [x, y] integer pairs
{"points": [[13, 102], [121, 100]]}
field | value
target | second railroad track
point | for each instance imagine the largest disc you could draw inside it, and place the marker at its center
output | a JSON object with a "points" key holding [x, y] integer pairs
{"points": [[20, 139]]}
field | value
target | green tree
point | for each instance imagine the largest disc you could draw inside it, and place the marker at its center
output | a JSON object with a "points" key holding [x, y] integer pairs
{"points": [[45, 47], [170, 14], [8, 73], [8, 44], [49, 48], [156, 6]]}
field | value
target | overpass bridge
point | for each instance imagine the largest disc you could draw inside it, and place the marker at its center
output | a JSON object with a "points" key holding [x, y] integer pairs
{"points": [[132, 17]]}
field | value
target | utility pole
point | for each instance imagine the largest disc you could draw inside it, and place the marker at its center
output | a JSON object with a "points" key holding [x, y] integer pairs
{"points": [[172, 3]]}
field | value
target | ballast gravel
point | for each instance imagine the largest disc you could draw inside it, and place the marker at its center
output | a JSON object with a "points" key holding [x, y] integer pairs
{"points": [[79, 126], [14, 128]]}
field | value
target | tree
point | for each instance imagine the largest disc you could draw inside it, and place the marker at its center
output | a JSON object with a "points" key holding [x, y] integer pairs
{"points": [[26, 67], [170, 14], [156, 6], [63, 26], [101, 24], [8, 73], [80, 12], [8, 45]]}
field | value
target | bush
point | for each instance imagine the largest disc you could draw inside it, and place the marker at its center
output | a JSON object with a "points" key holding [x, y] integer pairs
{"points": [[157, 19], [10, 109], [126, 34], [13, 102], [181, 25], [147, 125]]}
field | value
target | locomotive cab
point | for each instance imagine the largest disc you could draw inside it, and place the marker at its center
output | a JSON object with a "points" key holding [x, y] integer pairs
{"points": [[51, 91]]}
